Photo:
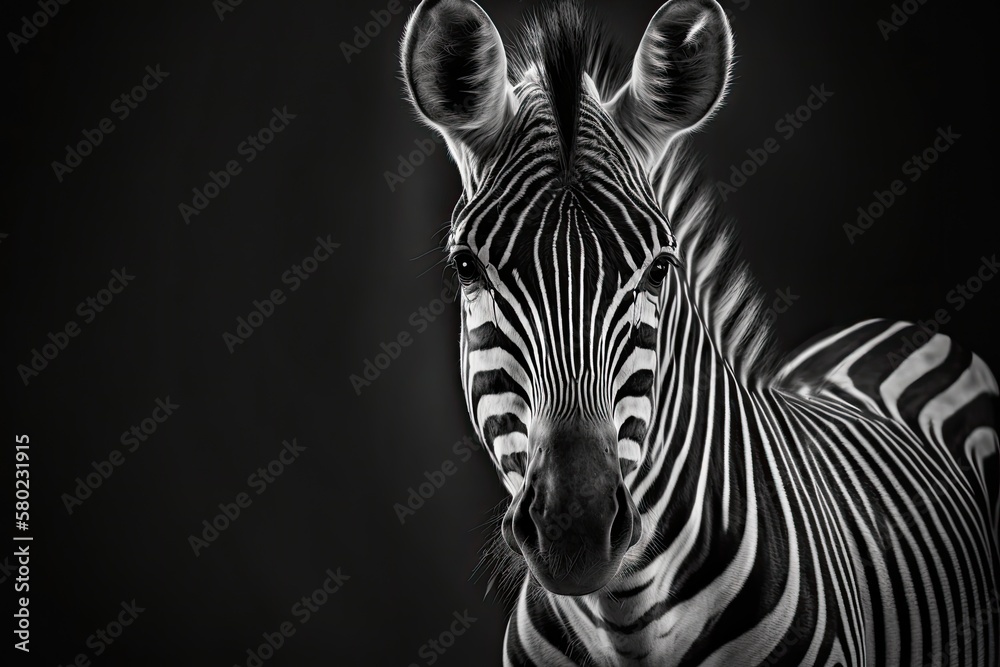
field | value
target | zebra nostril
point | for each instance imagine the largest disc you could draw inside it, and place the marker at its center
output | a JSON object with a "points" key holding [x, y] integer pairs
{"points": [[522, 527], [507, 530], [626, 526], [508, 537]]}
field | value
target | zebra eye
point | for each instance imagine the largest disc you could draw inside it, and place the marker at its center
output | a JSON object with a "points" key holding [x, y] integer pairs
{"points": [[467, 266], [658, 270]]}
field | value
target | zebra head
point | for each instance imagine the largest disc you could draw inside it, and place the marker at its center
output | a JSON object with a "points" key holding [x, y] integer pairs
{"points": [[563, 254]]}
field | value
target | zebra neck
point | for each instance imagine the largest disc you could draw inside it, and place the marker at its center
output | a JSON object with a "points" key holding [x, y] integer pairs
{"points": [[697, 486]]}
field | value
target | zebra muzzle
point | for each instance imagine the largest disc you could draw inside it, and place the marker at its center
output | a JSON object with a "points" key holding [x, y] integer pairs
{"points": [[574, 518]]}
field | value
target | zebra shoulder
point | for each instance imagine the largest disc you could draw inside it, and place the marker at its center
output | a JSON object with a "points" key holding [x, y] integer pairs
{"points": [[897, 369], [923, 379]]}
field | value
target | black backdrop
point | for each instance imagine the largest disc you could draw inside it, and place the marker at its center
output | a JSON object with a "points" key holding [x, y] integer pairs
{"points": [[324, 176]]}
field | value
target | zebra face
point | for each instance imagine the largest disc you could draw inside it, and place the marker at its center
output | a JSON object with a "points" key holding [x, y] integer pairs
{"points": [[563, 255], [558, 353]]}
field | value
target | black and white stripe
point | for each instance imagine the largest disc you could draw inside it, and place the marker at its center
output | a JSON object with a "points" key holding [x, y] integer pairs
{"points": [[840, 508]]}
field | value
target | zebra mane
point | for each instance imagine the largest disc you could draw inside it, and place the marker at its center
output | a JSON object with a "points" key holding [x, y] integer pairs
{"points": [[561, 43], [726, 293]]}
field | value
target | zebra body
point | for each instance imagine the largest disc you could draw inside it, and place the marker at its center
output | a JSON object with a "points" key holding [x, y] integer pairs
{"points": [[850, 567], [677, 497]]}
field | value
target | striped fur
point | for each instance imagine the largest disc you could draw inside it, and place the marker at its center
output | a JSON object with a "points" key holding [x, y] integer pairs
{"points": [[840, 508]]}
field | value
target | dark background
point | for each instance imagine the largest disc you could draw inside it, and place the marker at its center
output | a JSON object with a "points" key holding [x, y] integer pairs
{"points": [[325, 175]]}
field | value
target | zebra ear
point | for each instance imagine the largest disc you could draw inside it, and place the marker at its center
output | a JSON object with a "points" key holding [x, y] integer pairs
{"points": [[679, 75], [455, 69]]}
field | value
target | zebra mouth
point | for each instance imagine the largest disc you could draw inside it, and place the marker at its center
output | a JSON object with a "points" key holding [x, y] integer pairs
{"points": [[572, 543], [573, 574]]}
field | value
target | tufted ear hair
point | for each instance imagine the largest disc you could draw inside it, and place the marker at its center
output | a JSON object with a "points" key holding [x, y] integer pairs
{"points": [[455, 69], [679, 76]]}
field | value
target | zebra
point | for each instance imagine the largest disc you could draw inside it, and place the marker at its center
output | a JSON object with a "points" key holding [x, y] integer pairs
{"points": [[680, 493]]}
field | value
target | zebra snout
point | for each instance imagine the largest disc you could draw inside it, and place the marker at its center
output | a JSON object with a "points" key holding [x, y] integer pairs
{"points": [[574, 518]]}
